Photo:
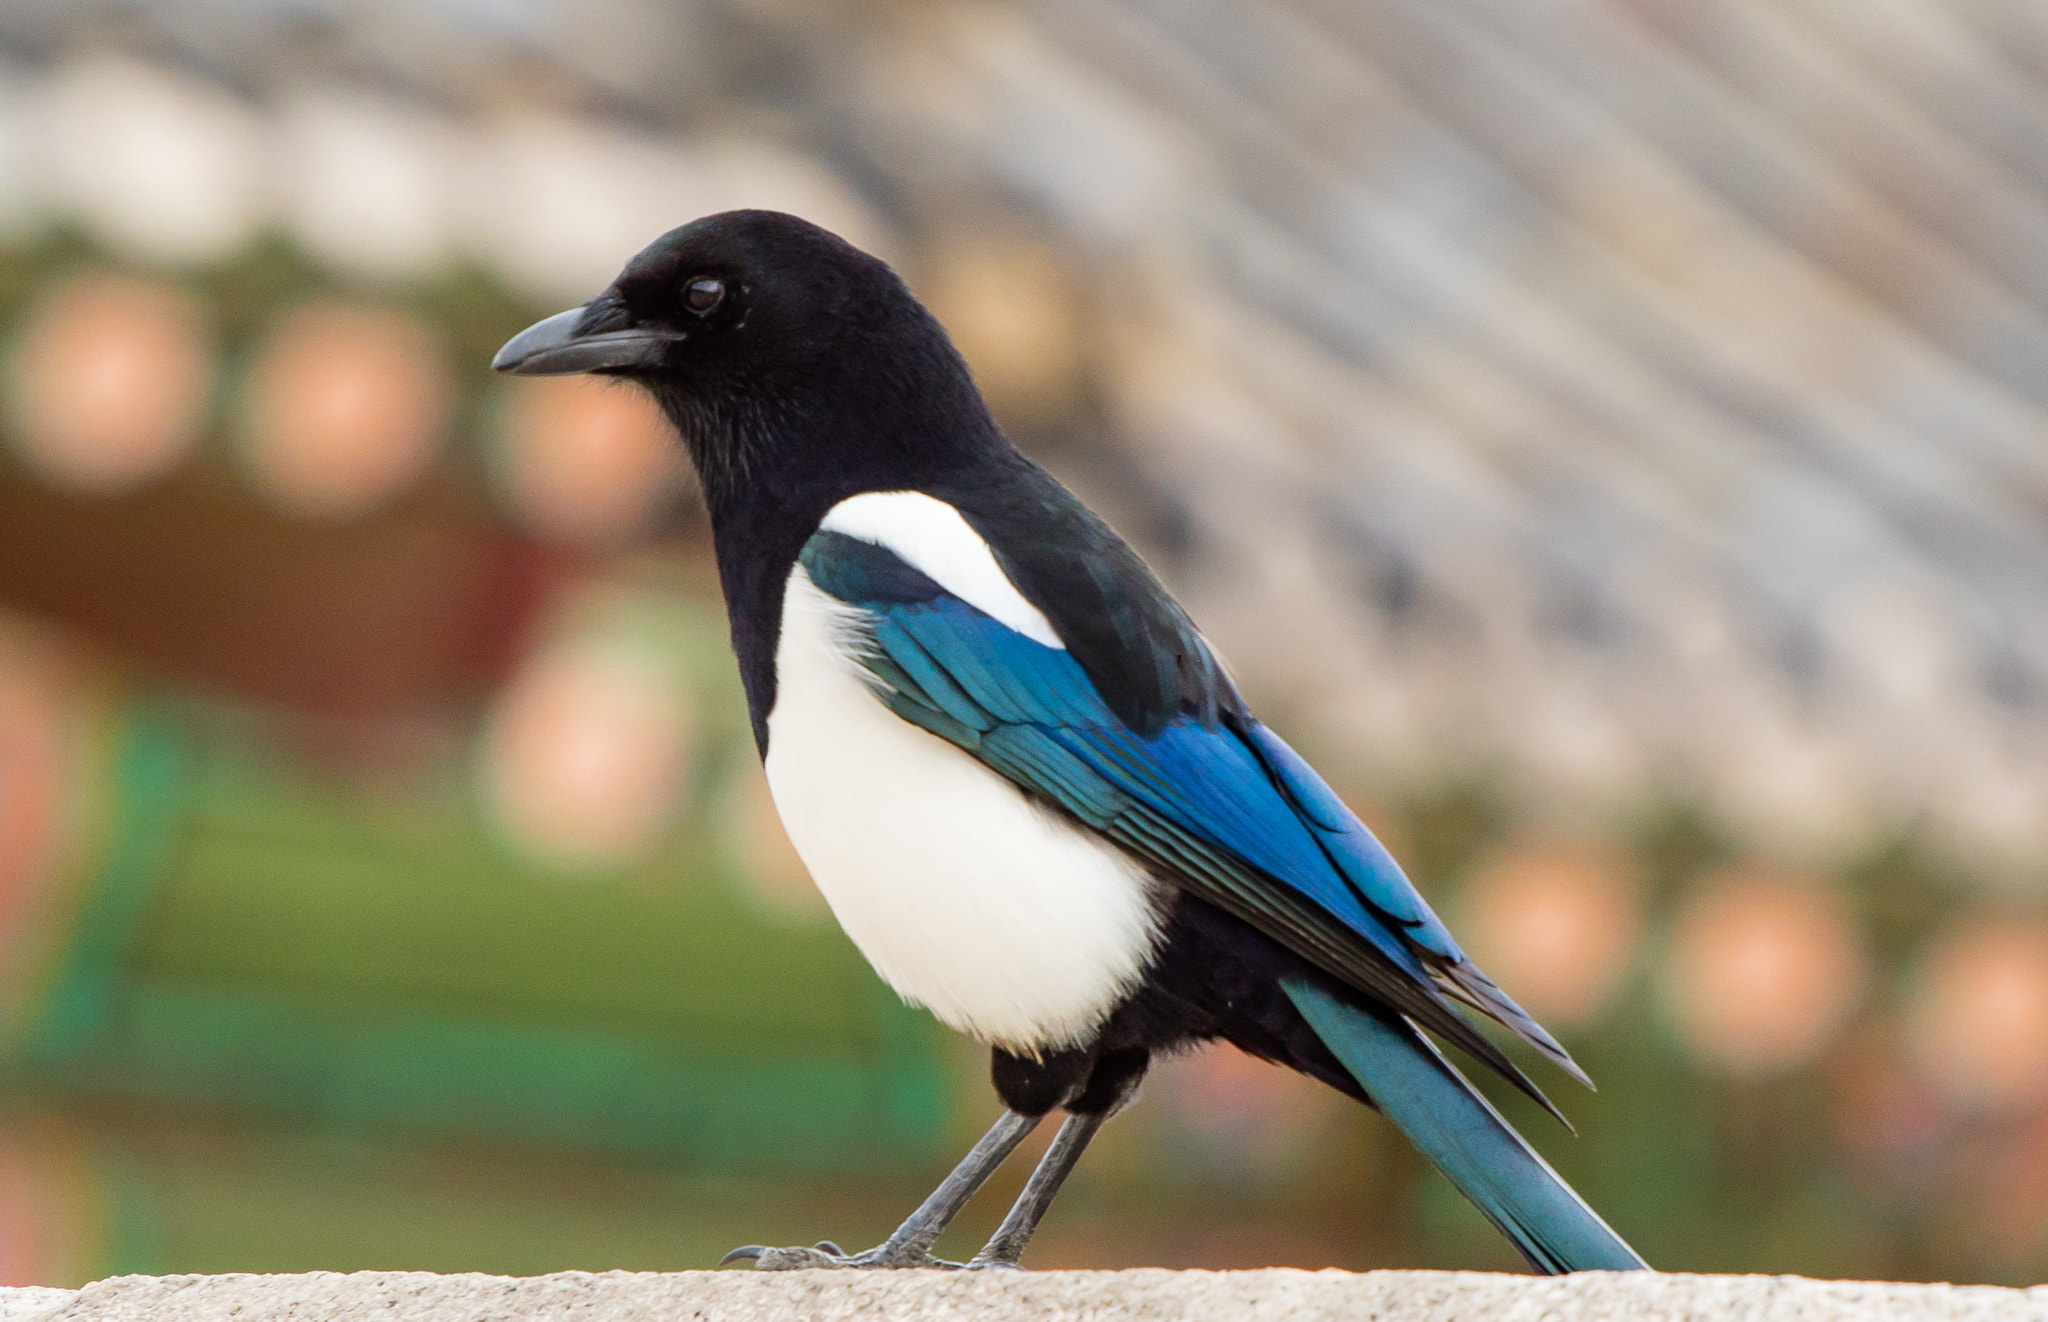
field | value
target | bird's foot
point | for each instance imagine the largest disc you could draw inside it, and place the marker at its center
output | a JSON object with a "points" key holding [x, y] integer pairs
{"points": [[826, 1254]]}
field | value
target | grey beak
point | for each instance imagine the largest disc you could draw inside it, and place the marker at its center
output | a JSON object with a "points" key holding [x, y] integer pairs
{"points": [[553, 348]]}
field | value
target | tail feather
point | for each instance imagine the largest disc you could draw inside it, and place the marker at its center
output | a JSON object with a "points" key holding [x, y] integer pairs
{"points": [[1456, 1128]]}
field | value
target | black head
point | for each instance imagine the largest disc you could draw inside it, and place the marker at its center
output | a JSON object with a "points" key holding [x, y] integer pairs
{"points": [[797, 368]]}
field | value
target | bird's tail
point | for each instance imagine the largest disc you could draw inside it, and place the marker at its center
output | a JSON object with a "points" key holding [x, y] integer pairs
{"points": [[1451, 1124]]}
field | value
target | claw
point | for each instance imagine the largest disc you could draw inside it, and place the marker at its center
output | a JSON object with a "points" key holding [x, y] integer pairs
{"points": [[751, 1251], [827, 1246]]}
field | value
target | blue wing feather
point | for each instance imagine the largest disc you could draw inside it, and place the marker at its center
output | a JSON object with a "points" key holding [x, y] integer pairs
{"points": [[1226, 808]]}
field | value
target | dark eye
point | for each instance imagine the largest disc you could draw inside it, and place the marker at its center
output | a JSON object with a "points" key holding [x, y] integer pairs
{"points": [[703, 294]]}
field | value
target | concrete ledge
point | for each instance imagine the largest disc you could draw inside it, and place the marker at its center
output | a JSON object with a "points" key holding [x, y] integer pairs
{"points": [[1140, 1296]]}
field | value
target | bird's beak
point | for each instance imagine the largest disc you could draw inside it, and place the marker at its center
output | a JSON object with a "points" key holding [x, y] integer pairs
{"points": [[556, 347]]}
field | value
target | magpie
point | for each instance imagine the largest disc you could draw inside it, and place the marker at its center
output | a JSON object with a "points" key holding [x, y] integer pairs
{"points": [[1023, 780]]}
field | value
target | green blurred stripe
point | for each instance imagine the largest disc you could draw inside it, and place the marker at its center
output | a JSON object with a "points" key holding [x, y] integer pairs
{"points": [[149, 765], [263, 938], [372, 1066]]}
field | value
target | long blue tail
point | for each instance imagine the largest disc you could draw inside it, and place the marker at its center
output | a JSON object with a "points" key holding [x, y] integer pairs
{"points": [[1455, 1127]]}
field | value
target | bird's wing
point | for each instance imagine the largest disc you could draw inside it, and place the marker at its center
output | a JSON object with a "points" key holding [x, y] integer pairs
{"points": [[1222, 807]]}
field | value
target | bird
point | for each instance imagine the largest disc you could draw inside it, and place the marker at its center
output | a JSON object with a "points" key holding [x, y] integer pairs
{"points": [[1025, 783]]}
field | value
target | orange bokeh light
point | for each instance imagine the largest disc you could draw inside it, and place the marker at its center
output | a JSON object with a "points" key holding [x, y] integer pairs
{"points": [[584, 460], [345, 409], [1238, 1113], [1556, 926], [1763, 969], [1014, 311], [1979, 1027], [587, 757], [110, 383]]}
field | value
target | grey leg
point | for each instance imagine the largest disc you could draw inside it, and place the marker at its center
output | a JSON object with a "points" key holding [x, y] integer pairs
{"points": [[1053, 1168], [911, 1245]]}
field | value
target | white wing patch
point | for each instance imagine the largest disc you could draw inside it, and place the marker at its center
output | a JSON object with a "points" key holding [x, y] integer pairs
{"points": [[931, 536]]}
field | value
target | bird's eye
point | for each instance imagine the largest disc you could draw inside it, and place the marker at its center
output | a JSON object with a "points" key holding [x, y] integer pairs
{"points": [[703, 294]]}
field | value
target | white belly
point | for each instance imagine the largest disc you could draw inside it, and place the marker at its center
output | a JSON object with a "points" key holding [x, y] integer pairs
{"points": [[1008, 923]]}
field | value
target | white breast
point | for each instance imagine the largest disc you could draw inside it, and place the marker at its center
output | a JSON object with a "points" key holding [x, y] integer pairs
{"points": [[1008, 923]]}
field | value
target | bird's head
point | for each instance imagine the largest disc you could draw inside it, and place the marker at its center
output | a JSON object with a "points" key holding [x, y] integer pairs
{"points": [[795, 366]]}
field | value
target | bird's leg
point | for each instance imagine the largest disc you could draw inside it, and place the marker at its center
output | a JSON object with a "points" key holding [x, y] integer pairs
{"points": [[911, 1245], [912, 1241], [1007, 1244]]}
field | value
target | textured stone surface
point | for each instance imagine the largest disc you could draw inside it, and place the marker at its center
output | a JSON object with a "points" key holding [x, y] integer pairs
{"points": [[24, 1302], [1140, 1296]]}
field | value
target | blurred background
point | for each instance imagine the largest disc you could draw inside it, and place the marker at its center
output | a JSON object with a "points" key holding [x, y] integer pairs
{"points": [[1610, 438]]}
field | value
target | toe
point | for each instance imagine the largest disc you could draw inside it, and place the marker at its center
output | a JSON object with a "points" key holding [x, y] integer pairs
{"points": [[797, 1259]]}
